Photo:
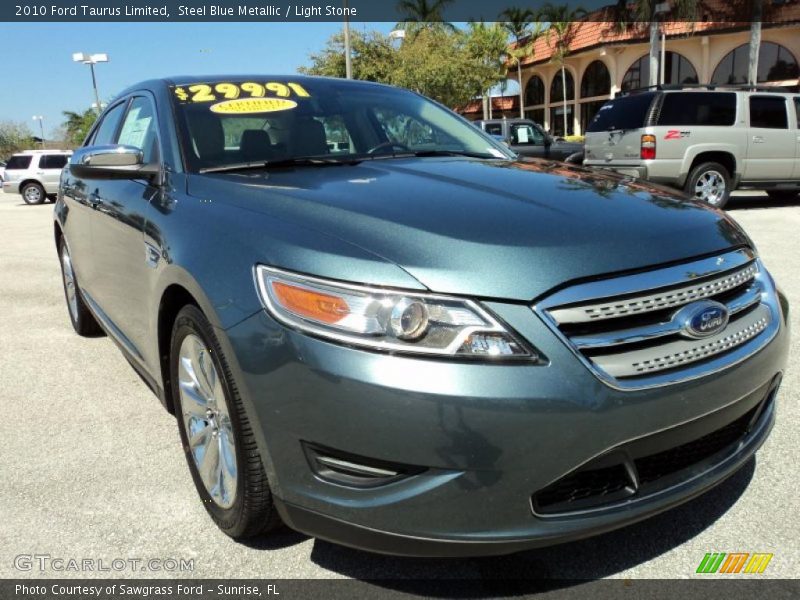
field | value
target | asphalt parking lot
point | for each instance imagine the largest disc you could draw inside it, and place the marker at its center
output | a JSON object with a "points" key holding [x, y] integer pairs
{"points": [[92, 468]]}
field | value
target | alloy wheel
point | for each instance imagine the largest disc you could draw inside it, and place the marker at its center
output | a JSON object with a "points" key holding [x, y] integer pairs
{"points": [[206, 419], [33, 195], [69, 283], [710, 187]]}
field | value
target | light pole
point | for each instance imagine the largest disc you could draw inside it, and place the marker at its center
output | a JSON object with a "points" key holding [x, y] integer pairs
{"points": [[348, 59], [41, 126], [91, 60]]}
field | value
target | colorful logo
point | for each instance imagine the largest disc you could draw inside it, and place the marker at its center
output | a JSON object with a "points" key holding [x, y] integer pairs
{"points": [[734, 562]]}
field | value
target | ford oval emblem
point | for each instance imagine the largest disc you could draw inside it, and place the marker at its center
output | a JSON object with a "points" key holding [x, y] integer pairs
{"points": [[702, 319]]}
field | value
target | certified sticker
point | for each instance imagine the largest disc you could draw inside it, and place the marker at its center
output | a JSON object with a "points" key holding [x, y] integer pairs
{"points": [[247, 106]]}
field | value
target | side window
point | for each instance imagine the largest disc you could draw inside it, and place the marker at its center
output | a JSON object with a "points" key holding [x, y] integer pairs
{"points": [[105, 132], [768, 112], [797, 110], [698, 108], [53, 161], [526, 135], [407, 130], [139, 129], [494, 129]]}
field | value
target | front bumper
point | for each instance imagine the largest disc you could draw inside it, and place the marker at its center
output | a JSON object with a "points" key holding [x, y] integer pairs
{"points": [[488, 436]]}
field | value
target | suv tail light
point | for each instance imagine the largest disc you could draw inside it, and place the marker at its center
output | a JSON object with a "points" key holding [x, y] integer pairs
{"points": [[648, 151]]}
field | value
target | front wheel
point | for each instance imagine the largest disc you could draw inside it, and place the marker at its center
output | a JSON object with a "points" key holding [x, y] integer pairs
{"points": [[32, 193], [710, 183], [217, 438]]}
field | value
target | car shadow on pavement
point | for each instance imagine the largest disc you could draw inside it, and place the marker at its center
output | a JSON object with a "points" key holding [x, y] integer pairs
{"points": [[546, 568], [751, 202]]}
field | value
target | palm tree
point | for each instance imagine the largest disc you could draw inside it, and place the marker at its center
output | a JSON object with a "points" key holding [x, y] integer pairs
{"points": [[645, 11], [487, 44], [755, 43], [518, 24], [423, 14], [562, 26]]}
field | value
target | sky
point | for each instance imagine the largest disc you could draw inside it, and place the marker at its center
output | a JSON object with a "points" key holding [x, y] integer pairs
{"points": [[41, 78]]}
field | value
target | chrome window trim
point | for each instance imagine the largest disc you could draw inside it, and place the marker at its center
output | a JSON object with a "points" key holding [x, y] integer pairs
{"points": [[672, 277]]}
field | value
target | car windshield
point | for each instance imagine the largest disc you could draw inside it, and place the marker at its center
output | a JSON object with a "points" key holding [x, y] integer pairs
{"points": [[252, 122]]}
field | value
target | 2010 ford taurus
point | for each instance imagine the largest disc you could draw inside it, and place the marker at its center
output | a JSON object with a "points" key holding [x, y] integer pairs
{"points": [[377, 325]]}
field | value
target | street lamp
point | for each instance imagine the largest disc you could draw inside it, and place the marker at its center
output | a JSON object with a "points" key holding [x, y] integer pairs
{"points": [[40, 118], [91, 60]]}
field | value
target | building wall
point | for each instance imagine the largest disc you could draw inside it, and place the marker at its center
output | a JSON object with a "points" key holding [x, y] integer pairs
{"points": [[704, 52]]}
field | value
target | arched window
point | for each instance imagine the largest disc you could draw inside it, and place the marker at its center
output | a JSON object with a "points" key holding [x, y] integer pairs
{"points": [[677, 70], [775, 63], [534, 91], [556, 88], [596, 80]]}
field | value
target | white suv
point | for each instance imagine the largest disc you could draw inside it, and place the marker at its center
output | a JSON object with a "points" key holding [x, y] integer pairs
{"points": [[35, 174]]}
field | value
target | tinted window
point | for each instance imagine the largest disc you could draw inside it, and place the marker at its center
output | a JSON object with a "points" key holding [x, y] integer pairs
{"points": [[494, 128], [768, 112], [534, 91], [596, 80], [797, 109], [677, 70], [105, 132], [52, 161], [139, 129], [19, 162], [775, 63], [629, 112], [701, 108]]}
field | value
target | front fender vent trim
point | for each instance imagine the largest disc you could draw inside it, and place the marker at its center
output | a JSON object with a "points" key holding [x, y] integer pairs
{"points": [[630, 331]]}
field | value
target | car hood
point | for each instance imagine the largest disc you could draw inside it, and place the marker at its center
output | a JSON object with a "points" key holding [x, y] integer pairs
{"points": [[494, 229]]}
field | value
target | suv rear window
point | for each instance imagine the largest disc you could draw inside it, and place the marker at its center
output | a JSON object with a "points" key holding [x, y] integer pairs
{"points": [[53, 161], [768, 112], [19, 162], [628, 112], [698, 108]]}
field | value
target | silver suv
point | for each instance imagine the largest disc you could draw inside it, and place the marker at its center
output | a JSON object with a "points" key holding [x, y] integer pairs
{"points": [[707, 141], [35, 174]]}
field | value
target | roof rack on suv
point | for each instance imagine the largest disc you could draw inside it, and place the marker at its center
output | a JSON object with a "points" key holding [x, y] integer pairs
{"points": [[744, 87]]}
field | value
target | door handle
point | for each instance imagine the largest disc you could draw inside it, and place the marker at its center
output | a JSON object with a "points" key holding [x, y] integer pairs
{"points": [[757, 139], [40, 172]]}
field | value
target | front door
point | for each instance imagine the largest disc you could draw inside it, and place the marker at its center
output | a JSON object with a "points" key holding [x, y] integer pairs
{"points": [[771, 144], [527, 139], [121, 259]]}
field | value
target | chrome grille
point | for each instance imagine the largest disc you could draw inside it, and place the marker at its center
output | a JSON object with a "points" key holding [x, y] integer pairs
{"points": [[629, 332]]}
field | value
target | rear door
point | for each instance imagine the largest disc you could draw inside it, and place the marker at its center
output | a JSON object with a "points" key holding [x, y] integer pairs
{"points": [[80, 196], [614, 135], [49, 170], [771, 144]]}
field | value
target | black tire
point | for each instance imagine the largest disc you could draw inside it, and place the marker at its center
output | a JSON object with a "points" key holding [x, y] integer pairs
{"points": [[33, 193], [83, 321], [782, 194], [709, 170], [253, 510]]}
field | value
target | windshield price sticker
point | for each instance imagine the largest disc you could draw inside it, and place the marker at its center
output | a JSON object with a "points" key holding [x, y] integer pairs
{"points": [[248, 106], [207, 92]]}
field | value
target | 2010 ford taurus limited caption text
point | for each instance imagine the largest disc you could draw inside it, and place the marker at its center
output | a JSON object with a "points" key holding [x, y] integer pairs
{"points": [[377, 325]]}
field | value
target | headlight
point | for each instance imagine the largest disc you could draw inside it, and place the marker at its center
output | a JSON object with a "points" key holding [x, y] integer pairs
{"points": [[388, 320]]}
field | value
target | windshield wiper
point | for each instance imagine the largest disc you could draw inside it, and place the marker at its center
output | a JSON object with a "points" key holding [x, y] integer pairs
{"points": [[299, 161], [426, 153]]}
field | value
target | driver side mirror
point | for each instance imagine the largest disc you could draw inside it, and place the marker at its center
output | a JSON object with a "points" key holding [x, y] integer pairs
{"points": [[112, 162]]}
